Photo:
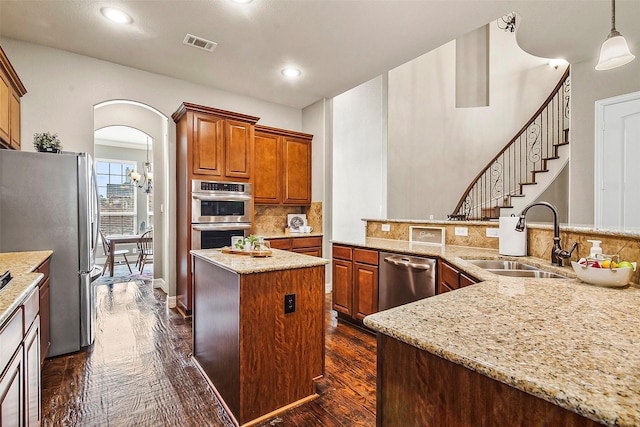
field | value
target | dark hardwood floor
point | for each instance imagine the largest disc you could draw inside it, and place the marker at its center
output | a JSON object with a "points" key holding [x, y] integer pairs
{"points": [[139, 372]]}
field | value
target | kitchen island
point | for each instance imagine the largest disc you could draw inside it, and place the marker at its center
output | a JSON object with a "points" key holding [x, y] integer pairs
{"points": [[511, 351], [258, 331]]}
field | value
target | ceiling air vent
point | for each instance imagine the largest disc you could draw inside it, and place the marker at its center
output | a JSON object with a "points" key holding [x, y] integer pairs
{"points": [[199, 42]]}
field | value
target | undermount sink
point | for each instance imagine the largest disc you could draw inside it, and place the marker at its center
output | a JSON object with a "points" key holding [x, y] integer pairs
{"points": [[514, 269], [538, 274], [501, 265]]}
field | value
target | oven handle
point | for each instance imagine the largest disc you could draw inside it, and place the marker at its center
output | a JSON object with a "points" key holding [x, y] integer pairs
{"points": [[223, 197], [220, 227]]}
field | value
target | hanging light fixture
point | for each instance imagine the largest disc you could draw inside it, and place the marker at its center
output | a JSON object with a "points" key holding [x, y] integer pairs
{"points": [[614, 51], [143, 181]]}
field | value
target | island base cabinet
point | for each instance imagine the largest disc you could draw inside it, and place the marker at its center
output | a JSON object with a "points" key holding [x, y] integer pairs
{"points": [[11, 393], [417, 388], [258, 358]]}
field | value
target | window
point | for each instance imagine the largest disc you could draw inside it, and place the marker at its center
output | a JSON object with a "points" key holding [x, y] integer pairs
{"points": [[117, 196]]}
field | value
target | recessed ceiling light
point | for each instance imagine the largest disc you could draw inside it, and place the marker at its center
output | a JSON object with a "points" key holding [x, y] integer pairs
{"points": [[116, 15], [291, 72]]}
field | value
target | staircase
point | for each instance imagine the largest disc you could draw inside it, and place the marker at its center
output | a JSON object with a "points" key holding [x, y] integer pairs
{"points": [[526, 166]]}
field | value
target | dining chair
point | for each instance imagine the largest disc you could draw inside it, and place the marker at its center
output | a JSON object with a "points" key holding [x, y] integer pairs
{"points": [[145, 250], [107, 251]]}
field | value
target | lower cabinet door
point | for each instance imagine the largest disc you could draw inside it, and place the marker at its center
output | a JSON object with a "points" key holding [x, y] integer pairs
{"points": [[32, 375], [11, 392], [342, 277], [365, 290]]}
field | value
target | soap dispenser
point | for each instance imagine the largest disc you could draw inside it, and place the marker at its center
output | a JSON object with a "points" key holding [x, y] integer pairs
{"points": [[596, 250]]}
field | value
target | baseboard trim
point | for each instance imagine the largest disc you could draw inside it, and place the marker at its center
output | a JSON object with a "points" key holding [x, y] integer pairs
{"points": [[160, 283], [171, 302]]}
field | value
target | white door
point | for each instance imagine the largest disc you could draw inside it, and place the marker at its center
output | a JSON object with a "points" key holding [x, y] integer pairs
{"points": [[616, 161]]}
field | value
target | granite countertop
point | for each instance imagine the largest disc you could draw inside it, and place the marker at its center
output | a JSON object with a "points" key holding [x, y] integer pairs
{"points": [[570, 343], [246, 264], [21, 265], [283, 235]]}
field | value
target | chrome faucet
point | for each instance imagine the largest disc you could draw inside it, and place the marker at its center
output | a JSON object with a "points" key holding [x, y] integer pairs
{"points": [[557, 253]]}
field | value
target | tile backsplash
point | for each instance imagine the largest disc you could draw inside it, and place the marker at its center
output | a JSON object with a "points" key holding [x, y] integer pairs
{"points": [[273, 219]]}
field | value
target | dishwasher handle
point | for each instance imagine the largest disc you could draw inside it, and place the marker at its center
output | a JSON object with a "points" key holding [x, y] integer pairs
{"points": [[401, 261]]}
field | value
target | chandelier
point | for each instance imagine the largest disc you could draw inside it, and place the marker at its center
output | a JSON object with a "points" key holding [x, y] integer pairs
{"points": [[143, 181]]}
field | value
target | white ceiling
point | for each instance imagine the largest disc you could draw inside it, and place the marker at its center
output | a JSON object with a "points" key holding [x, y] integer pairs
{"points": [[337, 44]]}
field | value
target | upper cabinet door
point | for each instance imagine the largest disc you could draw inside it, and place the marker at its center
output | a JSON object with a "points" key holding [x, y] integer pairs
{"points": [[238, 138], [5, 94], [267, 168], [208, 145], [297, 171], [14, 114]]}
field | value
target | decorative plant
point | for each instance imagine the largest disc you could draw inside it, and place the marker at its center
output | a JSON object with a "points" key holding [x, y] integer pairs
{"points": [[240, 244], [46, 141]]}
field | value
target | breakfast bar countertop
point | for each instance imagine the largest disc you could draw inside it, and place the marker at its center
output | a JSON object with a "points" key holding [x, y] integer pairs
{"points": [[21, 265], [572, 344]]}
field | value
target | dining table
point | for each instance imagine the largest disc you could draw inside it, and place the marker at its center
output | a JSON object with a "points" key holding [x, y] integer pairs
{"points": [[117, 239]]}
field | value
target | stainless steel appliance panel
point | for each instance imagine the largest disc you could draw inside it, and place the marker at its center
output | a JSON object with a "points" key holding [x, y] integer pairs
{"points": [[213, 236], [218, 202], [44, 204], [405, 279]]}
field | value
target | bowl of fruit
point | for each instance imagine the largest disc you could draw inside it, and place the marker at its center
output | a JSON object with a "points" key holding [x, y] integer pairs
{"points": [[604, 270]]}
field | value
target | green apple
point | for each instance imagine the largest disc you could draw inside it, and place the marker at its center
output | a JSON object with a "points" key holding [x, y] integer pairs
{"points": [[625, 264]]}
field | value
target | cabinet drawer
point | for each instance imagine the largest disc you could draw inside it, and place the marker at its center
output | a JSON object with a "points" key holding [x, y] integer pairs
{"points": [[307, 242], [31, 308], [449, 275], [365, 256], [466, 280], [342, 252], [11, 337], [283, 244], [44, 269]]}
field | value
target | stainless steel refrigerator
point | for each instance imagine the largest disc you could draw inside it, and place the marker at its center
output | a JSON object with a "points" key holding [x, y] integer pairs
{"points": [[49, 201]]}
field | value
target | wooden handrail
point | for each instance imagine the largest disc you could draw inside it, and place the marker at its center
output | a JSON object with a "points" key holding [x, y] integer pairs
{"points": [[536, 115]]}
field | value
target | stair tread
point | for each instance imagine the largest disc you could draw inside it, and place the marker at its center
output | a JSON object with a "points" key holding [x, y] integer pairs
{"points": [[528, 183], [551, 158], [541, 170]]}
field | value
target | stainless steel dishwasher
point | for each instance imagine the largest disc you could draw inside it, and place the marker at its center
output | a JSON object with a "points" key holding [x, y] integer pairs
{"points": [[404, 279]]}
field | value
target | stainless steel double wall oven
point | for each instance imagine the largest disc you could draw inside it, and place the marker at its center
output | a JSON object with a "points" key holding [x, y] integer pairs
{"points": [[219, 210]]}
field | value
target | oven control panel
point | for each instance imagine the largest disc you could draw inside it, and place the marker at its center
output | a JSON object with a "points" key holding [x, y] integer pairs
{"points": [[206, 186]]}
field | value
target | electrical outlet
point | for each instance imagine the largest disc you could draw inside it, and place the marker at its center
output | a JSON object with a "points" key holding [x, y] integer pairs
{"points": [[289, 303], [492, 232], [385, 227], [462, 231]]}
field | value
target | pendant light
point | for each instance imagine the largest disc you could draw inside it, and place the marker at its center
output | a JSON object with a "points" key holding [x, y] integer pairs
{"points": [[614, 52]]}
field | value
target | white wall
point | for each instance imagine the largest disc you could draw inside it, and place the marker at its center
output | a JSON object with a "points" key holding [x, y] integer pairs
{"points": [[62, 89], [435, 149], [587, 87], [359, 158]]}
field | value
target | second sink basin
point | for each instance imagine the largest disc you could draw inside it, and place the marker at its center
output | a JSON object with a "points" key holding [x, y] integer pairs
{"points": [[538, 274], [514, 269]]}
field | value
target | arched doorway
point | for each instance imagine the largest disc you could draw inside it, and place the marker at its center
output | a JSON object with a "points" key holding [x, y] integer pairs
{"points": [[154, 124]]}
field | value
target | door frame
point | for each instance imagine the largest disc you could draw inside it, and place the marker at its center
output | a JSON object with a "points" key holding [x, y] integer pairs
{"points": [[601, 106]]}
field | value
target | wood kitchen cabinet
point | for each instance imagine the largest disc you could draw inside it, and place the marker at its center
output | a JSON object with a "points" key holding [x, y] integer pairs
{"points": [[11, 90], [302, 245], [282, 167], [213, 145], [450, 278], [354, 282]]}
